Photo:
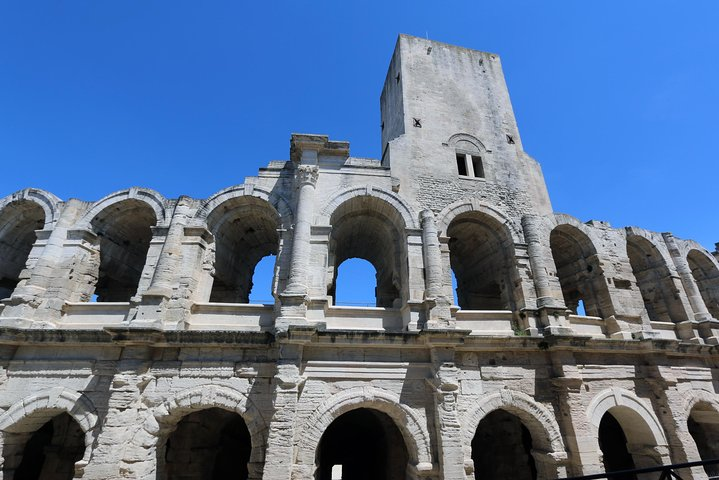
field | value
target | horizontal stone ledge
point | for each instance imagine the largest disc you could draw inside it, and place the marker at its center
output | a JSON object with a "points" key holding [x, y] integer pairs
{"points": [[310, 335], [123, 336]]}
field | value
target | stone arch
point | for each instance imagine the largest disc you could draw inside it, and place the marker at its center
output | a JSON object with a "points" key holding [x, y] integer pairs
{"points": [[482, 256], [538, 419], [276, 201], [410, 424], [370, 225], [705, 270], [460, 207], [579, 268], [656, 241], [204, 397], [396, 205], [699, 429], [21, 216], [651, 269], [123, 226], [46, 200], [651, 431], [646, 439], [466, 137], [245, 223], [150, 197], [29, 414], [696, 397]]}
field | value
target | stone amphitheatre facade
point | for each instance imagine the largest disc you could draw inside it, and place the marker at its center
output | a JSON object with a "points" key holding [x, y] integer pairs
{"points": [[171, 373]]}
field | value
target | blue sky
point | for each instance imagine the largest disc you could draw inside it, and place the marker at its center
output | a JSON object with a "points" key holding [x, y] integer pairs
{"points": [[618, 100]]}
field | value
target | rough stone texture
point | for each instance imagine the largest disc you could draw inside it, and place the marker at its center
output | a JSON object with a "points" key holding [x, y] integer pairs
{"points": [[168, 364]]}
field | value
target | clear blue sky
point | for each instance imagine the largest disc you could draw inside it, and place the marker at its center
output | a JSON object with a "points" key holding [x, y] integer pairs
{"points": [[618, 100]]}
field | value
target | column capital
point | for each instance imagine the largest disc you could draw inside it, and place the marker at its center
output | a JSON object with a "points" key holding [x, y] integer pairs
{"points": [[426, 216], [307, 174]]}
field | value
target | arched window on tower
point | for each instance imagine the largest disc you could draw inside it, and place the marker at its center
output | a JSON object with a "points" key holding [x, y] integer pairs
{"points": [[469, 159], [18, 222]]}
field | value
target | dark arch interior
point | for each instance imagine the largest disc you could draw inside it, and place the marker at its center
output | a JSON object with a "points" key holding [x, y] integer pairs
{"points": [[211, 444], [367, 228], [613, 443], [245, 232], [654, 281], [125, 231], [706, 275], [49, 453], [18, 222], [501, 448], [703, 426], [366, 443], [479, 253], [579, 271]]}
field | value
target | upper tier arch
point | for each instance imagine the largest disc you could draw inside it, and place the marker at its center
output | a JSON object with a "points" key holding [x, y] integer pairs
{"points": [[403, 210], [452, 211], [209, 207], [49, 202], [152, 198]]}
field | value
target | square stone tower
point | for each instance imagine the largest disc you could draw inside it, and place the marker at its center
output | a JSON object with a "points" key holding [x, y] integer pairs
{"points": [[448, 130]]}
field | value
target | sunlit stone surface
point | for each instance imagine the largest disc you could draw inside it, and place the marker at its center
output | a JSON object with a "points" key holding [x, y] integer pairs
{"points": [[129, 350]]}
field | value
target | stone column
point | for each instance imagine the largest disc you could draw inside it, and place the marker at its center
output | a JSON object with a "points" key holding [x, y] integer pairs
{"points": [[580, 441], [167, 271], [446, 387], [294, 298], [280, 442], [701, 313], [439, 315], [552, 311], [306, 178]]}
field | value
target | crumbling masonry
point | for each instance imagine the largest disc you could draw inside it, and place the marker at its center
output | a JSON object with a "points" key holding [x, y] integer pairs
{"points": [[128, 348]]}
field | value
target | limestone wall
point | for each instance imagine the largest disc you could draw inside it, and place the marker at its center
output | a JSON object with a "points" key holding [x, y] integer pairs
{"points": [[126, 327]]}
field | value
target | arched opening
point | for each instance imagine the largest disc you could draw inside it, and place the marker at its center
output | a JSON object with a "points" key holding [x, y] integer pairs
{"points": [[125, 231], [212, 444], [481, 255], [370, 229], [706, 275], [245, 230], [18, 222], [579, 271], [613, 444], [359, 283], [502, 448], [703, 426], [654, 280], [48, 453], [627, 441], [362, 444], [262, 287]]}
